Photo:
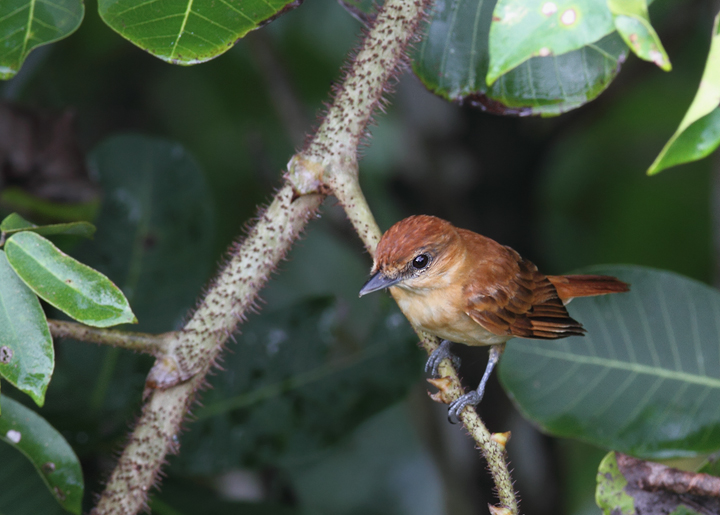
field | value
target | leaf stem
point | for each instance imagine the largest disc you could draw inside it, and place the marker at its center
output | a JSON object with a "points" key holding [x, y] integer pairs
{"points": [[153, 344]]}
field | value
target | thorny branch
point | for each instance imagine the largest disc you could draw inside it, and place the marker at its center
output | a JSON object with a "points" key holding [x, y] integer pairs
{"points": [[328, 164], [652, 477]]}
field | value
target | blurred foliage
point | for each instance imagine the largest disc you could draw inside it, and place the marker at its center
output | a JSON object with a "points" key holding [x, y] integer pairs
{"points": [[297, 418]]}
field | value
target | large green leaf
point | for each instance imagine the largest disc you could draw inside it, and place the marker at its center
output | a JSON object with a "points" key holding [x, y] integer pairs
{"points": [[28, 24], [16, 223], [48, 451], [644, 380], [189, 31], [76, 289], [27, 357], [452, 61], [699, 131], [297, 382]]}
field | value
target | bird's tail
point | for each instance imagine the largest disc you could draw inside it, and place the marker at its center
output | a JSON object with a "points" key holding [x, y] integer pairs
{"points": [[570, 286]]}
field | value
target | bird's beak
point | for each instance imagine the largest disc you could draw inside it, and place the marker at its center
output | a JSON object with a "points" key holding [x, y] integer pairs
{"points": [[378, 282]]}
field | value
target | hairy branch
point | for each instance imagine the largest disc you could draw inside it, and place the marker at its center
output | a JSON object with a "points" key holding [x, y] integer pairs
{"points": [[141, 342]]}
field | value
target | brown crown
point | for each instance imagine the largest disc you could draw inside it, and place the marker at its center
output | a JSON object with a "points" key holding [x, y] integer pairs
{"points": [[404, 240]]}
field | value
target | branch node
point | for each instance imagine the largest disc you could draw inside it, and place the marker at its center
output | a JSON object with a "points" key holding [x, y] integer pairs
{"points": [[305, 175], [501, 439]]}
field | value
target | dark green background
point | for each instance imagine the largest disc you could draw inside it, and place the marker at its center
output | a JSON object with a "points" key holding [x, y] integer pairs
{"points": [[358, 436]]}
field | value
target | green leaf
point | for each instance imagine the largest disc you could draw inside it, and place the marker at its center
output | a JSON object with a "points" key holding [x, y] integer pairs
{"points": [[48, 451], [699, 131], [26, 349], [16, 223], [610, 494], [76, 289], [28, 24], [523, 29], [299, 382], [644, 380], [189, 31], [632, 21], [452, 62]]}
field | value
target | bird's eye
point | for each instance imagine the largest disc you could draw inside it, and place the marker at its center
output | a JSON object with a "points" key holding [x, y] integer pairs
{"points": [[421, 261]]}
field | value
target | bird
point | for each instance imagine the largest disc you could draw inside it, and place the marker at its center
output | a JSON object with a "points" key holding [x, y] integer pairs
{"points": [[466, 288]]}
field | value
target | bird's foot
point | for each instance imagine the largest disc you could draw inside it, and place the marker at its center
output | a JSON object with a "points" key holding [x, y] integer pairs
{"points": [[473, 398], [439, 354], [456, 407]]}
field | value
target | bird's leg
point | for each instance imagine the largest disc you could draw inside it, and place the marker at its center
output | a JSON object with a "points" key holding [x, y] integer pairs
{"points": [[473, 398], [439, 354]]}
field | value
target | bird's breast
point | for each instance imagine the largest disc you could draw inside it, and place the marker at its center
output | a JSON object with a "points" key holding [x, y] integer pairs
{"points": [[438, 312]]}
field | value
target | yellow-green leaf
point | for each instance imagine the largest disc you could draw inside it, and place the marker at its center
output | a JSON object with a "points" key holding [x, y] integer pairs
{"points": [[76, 289], [699, 131]]}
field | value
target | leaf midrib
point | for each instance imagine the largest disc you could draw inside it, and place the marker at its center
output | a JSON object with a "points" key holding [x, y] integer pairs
{"points": [[639, 368]]}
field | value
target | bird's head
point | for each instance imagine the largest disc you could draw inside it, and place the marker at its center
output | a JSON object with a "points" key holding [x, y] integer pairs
{"points": [[411, 252]]}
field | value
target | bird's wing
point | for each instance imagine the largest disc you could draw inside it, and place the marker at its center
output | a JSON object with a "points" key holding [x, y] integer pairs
{"points": [[510, 296]]}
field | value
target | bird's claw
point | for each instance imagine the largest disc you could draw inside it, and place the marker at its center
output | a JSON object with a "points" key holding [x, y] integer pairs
{"points": [[456, 407], [439, 354]]}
